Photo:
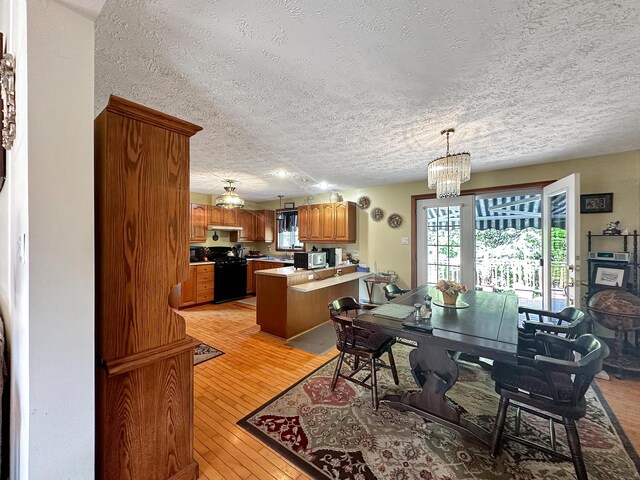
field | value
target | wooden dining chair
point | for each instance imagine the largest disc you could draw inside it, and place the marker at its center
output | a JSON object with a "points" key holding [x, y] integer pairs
{"points": [[362, 344], [550, 388], [568, 323], [392, 291]]}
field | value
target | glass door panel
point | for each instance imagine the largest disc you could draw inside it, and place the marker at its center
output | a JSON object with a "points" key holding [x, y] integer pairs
{"points": [[443, 226]]}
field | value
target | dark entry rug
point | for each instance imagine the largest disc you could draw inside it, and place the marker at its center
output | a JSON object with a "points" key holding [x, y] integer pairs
{"points": [[318, 340], [204, 352], [337, 435]]}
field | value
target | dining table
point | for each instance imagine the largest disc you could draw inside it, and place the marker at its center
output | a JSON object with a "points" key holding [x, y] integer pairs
{"points": [[481, 325]]}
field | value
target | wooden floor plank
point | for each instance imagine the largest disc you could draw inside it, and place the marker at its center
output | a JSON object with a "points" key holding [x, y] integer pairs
{"points": [[255, 368]]}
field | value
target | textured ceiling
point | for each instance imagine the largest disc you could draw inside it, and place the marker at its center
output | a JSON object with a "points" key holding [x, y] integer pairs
{"points": [[355, 93]]}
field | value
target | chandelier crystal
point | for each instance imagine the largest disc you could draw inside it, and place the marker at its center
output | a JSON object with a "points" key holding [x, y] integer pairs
{"points": [[229, 199], [445, 174]]}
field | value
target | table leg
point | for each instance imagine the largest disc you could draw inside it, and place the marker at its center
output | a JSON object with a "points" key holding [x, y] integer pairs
{"points": [[369, 286], [436, 371]]}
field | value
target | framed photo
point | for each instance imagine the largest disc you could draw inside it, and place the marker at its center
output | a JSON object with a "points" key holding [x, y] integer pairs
{"points": [[289, 205], [611, 276], [596, 203]]}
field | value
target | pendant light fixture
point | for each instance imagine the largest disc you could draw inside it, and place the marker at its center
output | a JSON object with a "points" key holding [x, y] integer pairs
{"points": [[445, 174], [229, 199], [280, 214]]}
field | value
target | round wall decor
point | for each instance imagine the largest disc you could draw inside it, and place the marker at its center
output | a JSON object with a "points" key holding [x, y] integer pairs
{"points": [[364, 202], [394, 220], [377, 214]]}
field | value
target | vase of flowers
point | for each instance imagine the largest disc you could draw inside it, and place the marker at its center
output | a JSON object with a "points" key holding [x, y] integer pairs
{"points": [[450, 291]]}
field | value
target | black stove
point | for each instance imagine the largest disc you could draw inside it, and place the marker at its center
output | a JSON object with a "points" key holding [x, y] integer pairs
{"points": [[230, 280]]}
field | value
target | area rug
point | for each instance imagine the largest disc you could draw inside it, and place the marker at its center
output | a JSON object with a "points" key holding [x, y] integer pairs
{"points": [[204, 352], [318, 340], [337, 435]]}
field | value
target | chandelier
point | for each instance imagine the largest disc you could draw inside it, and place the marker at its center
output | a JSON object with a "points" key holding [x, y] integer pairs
{"points": [[229, 199], [445, 174]]}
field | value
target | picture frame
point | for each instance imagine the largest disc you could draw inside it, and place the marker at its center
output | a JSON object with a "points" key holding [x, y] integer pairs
{"points": [[596, 203], [610, 276], [289, 205]]}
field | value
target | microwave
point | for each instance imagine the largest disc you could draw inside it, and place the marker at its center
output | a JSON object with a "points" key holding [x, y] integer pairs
{"points": [[310, 260]]}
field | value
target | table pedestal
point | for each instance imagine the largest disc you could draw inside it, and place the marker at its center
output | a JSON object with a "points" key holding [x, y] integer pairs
{"points": [[436, 372]]}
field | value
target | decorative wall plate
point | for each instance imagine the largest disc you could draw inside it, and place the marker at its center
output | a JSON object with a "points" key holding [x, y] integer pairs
{"points": [[364, 202], [394, 220], [377, 214]]}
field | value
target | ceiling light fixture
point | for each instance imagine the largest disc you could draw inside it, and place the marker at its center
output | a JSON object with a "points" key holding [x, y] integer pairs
{"points": [[323, 185], [282, 173], [229, 199], [445, 174], [280, 214]]}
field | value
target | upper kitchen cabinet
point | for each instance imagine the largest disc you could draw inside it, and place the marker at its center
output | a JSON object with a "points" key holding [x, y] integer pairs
{"points": [[327, 222], [265, 222], [198, 232], [246, 221], [257, 226], [303, 222], [218, 216]]}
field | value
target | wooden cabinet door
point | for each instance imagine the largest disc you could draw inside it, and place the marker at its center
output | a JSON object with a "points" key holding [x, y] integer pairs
{"points": [[269, 225], [315, 222], [246, 220], [345, 222], [189, 288], [303, 223], [229, 217], [214, 215], [328, 221], [259, 226], [198, 223], [264, 224], [250, 282]]}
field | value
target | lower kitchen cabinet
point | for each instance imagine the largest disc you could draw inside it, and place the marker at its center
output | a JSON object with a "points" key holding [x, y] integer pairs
{"points": [[189, 289], [253, 266], [198, 288]]}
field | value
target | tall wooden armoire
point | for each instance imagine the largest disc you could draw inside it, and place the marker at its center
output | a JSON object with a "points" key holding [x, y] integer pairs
{"points": [[144, 373]]}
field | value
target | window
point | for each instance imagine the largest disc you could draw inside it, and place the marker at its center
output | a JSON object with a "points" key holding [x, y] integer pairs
{"points": [[287, 230]]}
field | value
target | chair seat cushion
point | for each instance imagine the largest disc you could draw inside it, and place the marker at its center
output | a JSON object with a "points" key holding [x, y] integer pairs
{"points": [[532, 380], [367, 340]]}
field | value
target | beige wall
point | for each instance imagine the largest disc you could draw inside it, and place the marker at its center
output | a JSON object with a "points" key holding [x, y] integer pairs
{"points": [[380, 246]]}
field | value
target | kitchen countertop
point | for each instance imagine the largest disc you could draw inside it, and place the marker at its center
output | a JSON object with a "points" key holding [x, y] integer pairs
{"points": [[202, 263], [270, 259], [329, 282]]}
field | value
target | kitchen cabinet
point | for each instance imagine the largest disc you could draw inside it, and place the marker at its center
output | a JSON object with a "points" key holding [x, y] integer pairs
{"points": [[265, 223], [246, 220], [198, 223], [198, 287], [327, 222], [189, 289], [257, 226], [254, 266], [315, 222], [303, 223], [218, 216]]}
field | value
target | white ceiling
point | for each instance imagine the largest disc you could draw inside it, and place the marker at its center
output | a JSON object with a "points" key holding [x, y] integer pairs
{"points": [[355, 93]]}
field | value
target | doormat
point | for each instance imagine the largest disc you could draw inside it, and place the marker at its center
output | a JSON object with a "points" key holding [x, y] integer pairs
{"points": [[204, 352], [318, 340], [337, 435]]}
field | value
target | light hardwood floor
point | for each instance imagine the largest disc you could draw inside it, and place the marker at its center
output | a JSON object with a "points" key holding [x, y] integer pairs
{"points": [[255, 368]]}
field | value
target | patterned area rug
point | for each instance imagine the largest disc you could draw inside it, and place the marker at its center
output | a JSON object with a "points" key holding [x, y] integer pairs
{"points": [[204, 352], [337, 435]]}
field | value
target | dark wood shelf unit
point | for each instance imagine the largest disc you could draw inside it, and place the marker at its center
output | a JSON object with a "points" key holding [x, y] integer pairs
{"points": [[633, 263]]}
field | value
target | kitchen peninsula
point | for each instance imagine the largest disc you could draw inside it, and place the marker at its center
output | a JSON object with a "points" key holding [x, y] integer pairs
{"points": [[290, 301]]}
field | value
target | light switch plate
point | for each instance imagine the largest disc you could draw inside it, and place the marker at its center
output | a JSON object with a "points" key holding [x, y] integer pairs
{"points": [[310, 277], [405, 240]]}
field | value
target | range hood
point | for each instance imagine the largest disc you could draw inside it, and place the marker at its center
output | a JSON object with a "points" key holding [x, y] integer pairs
{"points": [[224, 228]]}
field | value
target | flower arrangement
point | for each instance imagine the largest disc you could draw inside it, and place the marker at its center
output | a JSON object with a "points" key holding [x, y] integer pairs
{"points": [[451, 288]]}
